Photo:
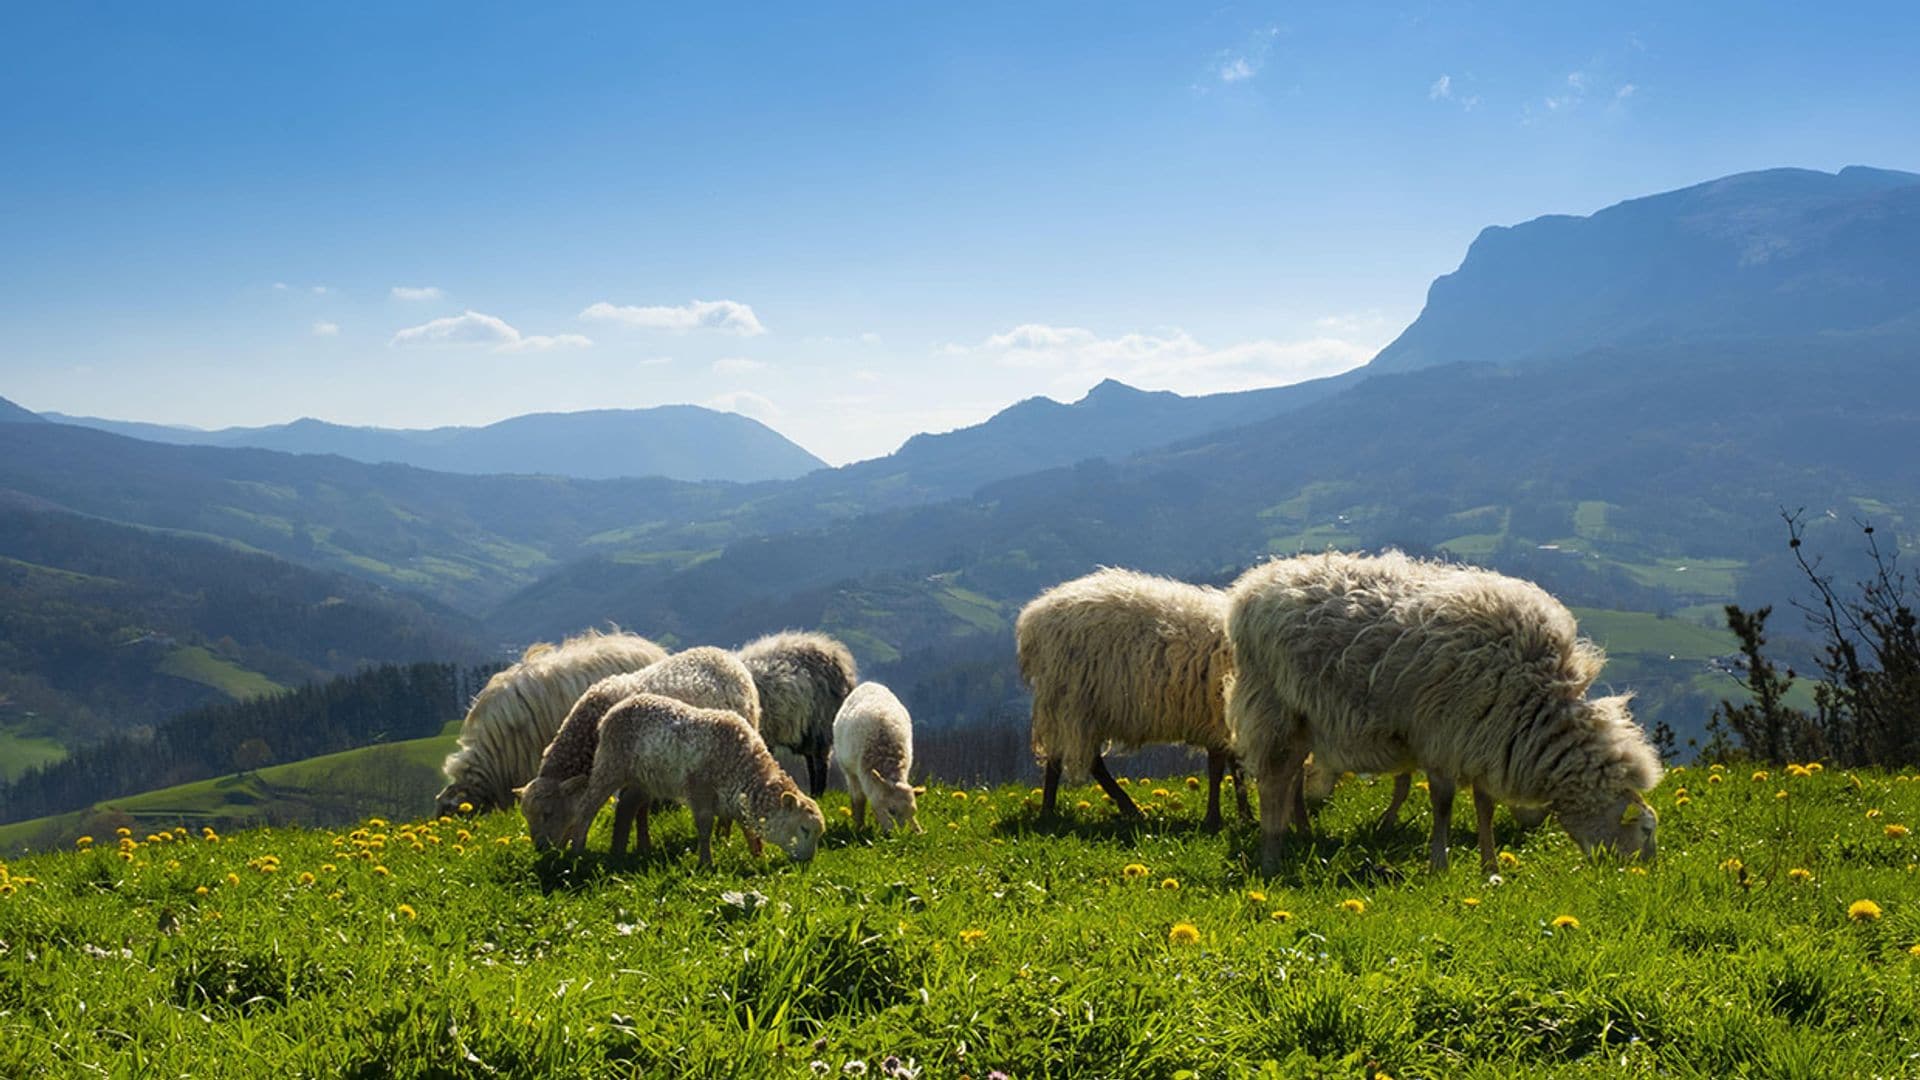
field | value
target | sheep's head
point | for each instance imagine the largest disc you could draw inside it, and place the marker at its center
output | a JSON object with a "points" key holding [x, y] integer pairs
{"points": [[1603, 807], [1622, 824], [796, 826], [457, 798], [552, 809], [894, 804]]}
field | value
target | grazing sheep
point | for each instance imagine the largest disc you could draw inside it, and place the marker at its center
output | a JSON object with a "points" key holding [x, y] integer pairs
{"points": [[1319, 785], [704, 676], [654, 747], [1126, 659], [514, 717], [1386, 663], [873, 740], [803, 679]]}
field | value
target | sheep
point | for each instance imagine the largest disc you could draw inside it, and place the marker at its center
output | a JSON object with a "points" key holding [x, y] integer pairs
{"points": [[1319, 785], [515, 715], [704, 676], [1386, 663], [803, 679], [653, 747], [1126, 659], [873, 740]]}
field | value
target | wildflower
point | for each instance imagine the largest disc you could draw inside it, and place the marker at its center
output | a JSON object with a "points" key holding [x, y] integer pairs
{"points": [[1565, 922], [233, 879], [326, 868], [123, 832], [1896, 832], [207, 833], [502, 840], [1713, 779], [1193, 782], [1760, 776], [466, 808], [1682, 801], [1083, 805], [1124, 782], [406, 911], [1873, 813], [1257, 896], [382, 871], [6, 888], [1170, 883], [1470, 901], [463, 836], [1680, 792], [1914, 952], [1184, 933], [846, 811], [201, 891], [1799, 874], [307, 878], [1161, 793], [1781, 794], [854, 1068], [378, 823], [1863, 911], [1733, 866], [1638, 871], [970, 936], [1814, 767], [1798, 770], [84, 841], [1281, 915], [1354, 907], [1509, 861], [959, 796], [1134, 869]]}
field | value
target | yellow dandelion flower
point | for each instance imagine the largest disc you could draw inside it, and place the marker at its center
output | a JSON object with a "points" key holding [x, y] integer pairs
{"points": [[1677, 769], [1914, 952], [326, 868], [83, 841], [1193, 782], [1798, 770], [1170, 883], [201, 891], [1083, 805], [1508, 860], [1354, 907], [1781, 794], [123, 831], [1713, 779], [307, 878], [1733, 866], [1680, 792], [1184, 933], [1565, 922], [1281, 916], [1134, 869], [466, 808], [1873, 813], [959, 796], [1682, 801], [1161, 793], [1124, 782], [846, 811], [125, 856], [207, 833], [1814, 767], [463, 836], [233, 879], [1257, 896], [1799, 874], [1863, 911], [968, 937], [6, 888], [1896, 832], [1716, 767], [1637, 871], [406, 911], [335, 894], [377, 823], [382, 871], [1760, 776], [1470, 901], [502, 840]]}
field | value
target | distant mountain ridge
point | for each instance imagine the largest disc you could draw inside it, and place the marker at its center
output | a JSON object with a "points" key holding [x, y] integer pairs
{"points": [[1780, 252], [679, 442]]}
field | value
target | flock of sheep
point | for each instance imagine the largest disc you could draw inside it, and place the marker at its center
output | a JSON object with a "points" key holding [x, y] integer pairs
{"points": [[1304, 668]]}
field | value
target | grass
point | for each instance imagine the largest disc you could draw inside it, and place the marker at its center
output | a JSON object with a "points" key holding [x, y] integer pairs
{"points": [[22, 749], [1644, 632], [453, 949], [196, 664]]}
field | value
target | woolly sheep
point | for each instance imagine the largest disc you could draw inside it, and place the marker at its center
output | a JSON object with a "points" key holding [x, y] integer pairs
{"points": [[654, 747], [515, 715], [1386, 663], [1319, 785], [1124, 659], [803, 679], [704, 676], [873, 741]]}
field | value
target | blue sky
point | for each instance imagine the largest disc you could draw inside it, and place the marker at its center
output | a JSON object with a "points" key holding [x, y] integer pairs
{"points": [[894, 217]]}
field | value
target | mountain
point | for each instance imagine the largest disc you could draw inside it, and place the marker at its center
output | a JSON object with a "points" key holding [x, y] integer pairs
{"points": [[682, 442], [1780, 253], [14, 414]]}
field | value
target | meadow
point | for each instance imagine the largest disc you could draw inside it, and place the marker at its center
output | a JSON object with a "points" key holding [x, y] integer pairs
{"points": [[1778, 935]]}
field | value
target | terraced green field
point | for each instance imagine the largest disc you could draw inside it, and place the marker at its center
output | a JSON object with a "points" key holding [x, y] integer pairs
{"points": [[1778, 935]]}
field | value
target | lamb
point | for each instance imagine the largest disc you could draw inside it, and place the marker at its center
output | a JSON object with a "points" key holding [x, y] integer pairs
{"points": [[1126, 659], [1386, 663], [704, 676], [873, 740], [515, 715], [654, 747], [803, 679]]}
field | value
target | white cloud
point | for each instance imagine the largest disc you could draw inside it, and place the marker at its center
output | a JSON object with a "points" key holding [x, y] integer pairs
{"points": [[475, 328], [420, 292], [1237, 69], [746, 403], [1246, 62], [737, 365], [729, 316], [1173, 358], [1442, 89], [321, 290], [1625, 92], [280, 286], [326, 329]]}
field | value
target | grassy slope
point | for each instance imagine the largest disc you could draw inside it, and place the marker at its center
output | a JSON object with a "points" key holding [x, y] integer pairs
{"points": [[986, 944]]}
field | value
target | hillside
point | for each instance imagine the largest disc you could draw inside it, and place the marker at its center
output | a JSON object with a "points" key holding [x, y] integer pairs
{"points": [[680, 442], [14, 414], [1788, 253], [1774, 937]]}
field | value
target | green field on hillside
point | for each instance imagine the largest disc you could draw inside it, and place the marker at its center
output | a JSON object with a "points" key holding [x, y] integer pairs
{"points": [[1776, 936]]}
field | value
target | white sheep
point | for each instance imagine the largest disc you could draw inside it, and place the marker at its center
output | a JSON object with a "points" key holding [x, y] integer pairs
{"points": [[873, 741], [1386, 664], [703, 676], [654, 747], [803, 679], [1119, 659], [516, 714]]}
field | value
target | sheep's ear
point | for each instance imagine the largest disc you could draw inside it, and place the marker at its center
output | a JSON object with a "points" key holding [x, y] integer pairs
{"points": [[882, 779], [904, 788], [521, 791], [788, 800]]}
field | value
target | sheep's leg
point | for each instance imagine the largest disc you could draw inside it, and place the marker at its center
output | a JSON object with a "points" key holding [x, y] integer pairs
{"points": [[1216, 770], [1528, 817], [1279, 782], [1440, 790], [1483, 822], [1050, 789], [817, 773], [624, 810], [859, 800], [642, 836], [1114, 791], [1240, 788], [1402, 785], [1301, 822], [755, 846], [703, 831]]}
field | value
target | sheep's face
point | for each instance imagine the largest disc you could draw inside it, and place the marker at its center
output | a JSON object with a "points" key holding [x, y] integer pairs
{"points": [[1623, 824], [552, 809], [796, 826], [894, 805], [454, 796]]}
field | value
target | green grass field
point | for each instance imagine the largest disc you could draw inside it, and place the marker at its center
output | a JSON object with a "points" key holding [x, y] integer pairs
{"points": [[453, 949]]}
